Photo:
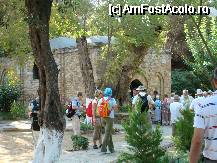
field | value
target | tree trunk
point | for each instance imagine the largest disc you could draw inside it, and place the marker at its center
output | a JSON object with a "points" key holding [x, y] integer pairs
{"points": [[51, 118], [127, 73], [86, 66]]}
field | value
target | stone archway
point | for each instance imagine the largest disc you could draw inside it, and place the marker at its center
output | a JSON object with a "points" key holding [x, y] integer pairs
{"points": [[133, 85]]}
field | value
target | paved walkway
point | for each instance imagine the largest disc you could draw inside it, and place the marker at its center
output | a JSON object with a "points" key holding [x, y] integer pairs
{"points": [[21, 129], [25, 126]]}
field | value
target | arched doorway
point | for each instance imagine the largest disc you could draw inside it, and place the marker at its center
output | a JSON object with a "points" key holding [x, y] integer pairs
{"points": [[134, 84]]}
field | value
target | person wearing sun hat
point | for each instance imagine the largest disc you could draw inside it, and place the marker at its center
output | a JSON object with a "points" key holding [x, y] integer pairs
{"points": [[142, 93], [147, 100], [196, 100]]}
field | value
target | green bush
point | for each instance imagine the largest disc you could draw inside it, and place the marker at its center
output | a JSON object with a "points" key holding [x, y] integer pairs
{"points": [[18, 111], [6, 116], [8, 94], [86, 127], [144, 142], [125, 108], [188, 80], [184, 131], [79, 142]]}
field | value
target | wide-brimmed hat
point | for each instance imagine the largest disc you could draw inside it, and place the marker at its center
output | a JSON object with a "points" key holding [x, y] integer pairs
{"points": [[199, 92], [140, 88], [176, 98]]}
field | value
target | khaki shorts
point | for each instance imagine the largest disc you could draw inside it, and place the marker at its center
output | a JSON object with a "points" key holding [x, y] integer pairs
{"points": [[97, 134]]}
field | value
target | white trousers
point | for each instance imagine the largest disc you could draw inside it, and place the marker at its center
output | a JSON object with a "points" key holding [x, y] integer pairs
{"points": [[76, 125]]}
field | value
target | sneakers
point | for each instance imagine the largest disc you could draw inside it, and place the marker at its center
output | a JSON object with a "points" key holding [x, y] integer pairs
{"points": [[95, 147]]}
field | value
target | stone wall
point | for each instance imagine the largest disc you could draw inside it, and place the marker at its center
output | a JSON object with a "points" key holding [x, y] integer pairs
{"points": [[155, 73]]}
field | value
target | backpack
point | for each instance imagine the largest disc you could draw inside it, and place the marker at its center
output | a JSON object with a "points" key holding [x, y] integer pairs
{"points": [[89, 111], [144, 100], [35, 105], [103, 108], [69, 111]]}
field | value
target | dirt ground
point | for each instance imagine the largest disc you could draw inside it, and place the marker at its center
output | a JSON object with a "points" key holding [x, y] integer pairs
{"points": [[17, 147]]}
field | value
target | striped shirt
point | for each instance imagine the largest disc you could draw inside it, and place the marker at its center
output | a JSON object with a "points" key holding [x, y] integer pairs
{"points": [[206, 118]]}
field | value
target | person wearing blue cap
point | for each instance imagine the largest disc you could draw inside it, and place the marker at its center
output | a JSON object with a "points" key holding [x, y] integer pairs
{"points": [[108, 121]]}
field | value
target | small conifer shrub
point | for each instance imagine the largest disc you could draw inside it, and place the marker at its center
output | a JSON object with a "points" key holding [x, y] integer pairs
{"points": [[144, 142]]}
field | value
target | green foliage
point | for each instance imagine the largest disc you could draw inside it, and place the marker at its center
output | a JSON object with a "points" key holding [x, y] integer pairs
{"points": [[13, 33], [79, 142], [70, 19], [18, 111], [202, 45], [188, 80], [143, 141], [6, 116], [131, 32], [86, 127], [125, 108], [184, 131], [8, 94]]}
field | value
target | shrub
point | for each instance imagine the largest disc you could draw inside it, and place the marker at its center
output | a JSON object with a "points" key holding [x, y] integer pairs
{"points": [[18, 111], [125, 108], [6, 116], [188, 80], [79, 142], [86, 127], [8, 94], [144, 143], [184, 131]]}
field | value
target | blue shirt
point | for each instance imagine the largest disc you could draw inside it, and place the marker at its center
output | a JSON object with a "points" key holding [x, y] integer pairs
{"points": [[76, 103]]}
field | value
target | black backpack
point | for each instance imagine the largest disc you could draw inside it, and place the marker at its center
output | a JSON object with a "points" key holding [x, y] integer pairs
{"points": [[70, 112], [144, 100]]}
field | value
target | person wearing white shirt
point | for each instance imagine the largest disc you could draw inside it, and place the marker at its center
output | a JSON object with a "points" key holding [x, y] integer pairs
{"points": [[186, 99], [175, 108], [205, 128], [142, 92], [196, 100], [142, 95]]}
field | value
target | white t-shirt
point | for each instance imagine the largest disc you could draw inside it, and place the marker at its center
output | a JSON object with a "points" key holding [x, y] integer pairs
{"points": [[194, 102], [175, 109], [149, 98], [206, 118]]}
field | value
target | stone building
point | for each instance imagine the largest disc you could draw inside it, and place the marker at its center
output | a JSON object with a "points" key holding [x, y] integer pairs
{"points": [[155, 69]]}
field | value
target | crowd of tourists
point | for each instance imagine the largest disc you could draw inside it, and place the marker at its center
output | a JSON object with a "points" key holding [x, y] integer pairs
{"points": [[164, 111], [100, 111]]}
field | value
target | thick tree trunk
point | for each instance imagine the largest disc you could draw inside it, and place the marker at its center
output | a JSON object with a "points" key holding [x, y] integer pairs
{"points": [[128, 71], [86, 66], [52, 121]]}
